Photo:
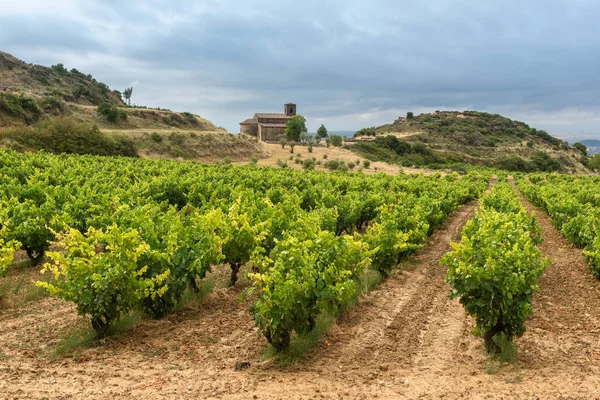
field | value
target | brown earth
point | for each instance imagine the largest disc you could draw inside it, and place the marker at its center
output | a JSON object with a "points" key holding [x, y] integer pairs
{"points": [[406, 339]]}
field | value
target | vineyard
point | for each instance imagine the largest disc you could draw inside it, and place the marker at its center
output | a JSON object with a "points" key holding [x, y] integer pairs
{"points": [[574, 206], [133, 233], [112, 237]]}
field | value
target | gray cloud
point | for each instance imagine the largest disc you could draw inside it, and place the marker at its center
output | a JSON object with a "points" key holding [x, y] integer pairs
{"points": [[347, 64]]}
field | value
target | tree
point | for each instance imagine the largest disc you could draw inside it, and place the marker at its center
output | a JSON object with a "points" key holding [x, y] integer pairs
{"points": [[581, 147], [322, 132], [594, 162], [127, 94], [336, 140], [294, 128], [283, 141], [410, 115]]}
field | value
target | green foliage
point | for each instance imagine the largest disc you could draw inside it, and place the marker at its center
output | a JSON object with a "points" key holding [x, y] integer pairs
{"points": [[283, 141], [156, 137], [295, 127], [574, 207], [322, 132], [7, 247], [100, 273], [308, 163], [139, 234], [581, 147], [398, 230], [20, 107], [410, 115], [336, 140], [54, 105], [64, 135], [366, 132], [366, 164], [111, 112], [309, 271], [127, 94], [495, 268], [594, 162], [241, 238]]}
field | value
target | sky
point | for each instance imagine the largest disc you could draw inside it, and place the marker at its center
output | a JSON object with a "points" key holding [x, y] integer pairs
{"points": [[347, 64]]}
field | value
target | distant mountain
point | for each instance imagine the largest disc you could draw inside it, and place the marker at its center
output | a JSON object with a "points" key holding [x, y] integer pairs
{"points": [[341, 133], [593, 145], [446, 138]]}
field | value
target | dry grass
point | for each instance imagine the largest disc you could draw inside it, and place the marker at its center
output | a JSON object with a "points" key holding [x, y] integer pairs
{"points": [[274, 152]]}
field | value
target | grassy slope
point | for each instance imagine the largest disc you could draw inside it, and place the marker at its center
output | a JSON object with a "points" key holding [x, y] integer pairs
{"points": [[79, 95], [156, 133], [478, 138]]}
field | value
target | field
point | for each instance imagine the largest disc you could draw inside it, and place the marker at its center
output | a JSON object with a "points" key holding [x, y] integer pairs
{"points": [[172, 279]]}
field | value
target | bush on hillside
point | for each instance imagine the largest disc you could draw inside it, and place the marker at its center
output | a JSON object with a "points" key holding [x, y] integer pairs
{"points": [[111, 112], [20, 107], [63, 135]]}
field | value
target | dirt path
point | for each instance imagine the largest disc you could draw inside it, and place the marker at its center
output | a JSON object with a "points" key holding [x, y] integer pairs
{"points": [[566, 318], [405, 340]]}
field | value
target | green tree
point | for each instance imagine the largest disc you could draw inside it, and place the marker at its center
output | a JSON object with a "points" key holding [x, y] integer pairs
{"points": [[581, 147], [322, 132], [594, 162], [127, 94], [336, 140], [410, 115], [295, 127]]}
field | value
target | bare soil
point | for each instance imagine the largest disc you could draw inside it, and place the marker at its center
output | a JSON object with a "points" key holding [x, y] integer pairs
{"points": [[406, 339]]}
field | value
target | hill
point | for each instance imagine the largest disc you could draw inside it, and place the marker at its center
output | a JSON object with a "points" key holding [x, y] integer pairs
{"points": [[30, 93], [66, 111], [450, 138]]}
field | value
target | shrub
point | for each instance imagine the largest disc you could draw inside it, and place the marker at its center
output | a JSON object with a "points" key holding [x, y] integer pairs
{"points": [[111, 112], [351, 165], [254, 160], [156, 137], [324, 156], [63, 135], [177, 139], [308, 164], [310, 148], [104, 284], [581, 147], [495, 268], [367, 164], [53, 105], [21, 107], [336, 140], [299, 267], [332, 164]]}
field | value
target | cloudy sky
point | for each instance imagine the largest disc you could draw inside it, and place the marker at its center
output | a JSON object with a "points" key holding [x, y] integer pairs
{"points": [[346, 63]]}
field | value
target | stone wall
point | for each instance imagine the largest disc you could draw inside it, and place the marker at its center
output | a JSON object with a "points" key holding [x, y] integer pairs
{"points": [[271, 133], [251, 129]]}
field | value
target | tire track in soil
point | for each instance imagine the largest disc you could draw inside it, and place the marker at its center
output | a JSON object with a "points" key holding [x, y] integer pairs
{"points": [[565, 326], [408, 320]]}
